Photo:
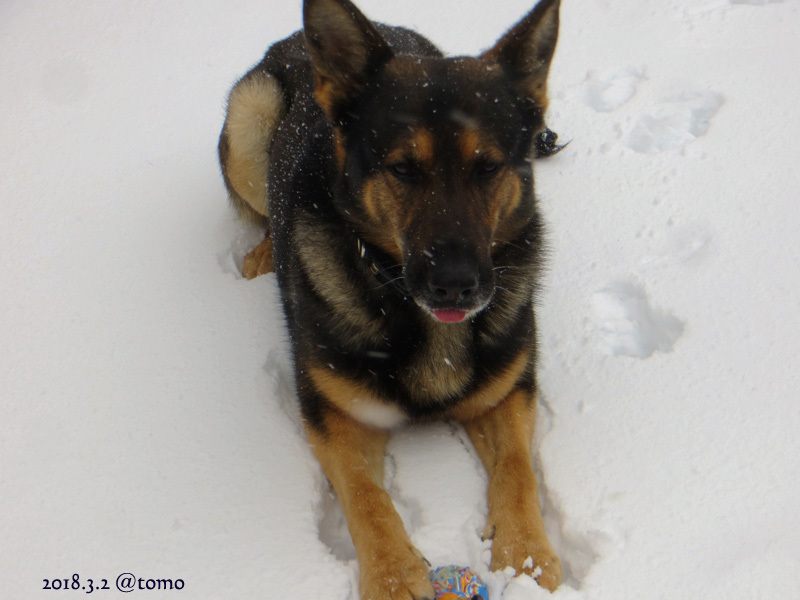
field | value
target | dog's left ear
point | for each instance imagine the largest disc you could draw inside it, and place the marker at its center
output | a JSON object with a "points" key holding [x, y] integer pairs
{"points": [[345, 50], [527, 50]]}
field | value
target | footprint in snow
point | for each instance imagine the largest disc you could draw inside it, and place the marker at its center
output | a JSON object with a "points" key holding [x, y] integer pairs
{"points": [[608, 90], [629, 326], [674, 122], [686, 245], [332, 525]]}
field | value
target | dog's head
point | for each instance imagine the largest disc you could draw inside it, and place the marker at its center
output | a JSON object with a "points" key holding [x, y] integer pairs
{"points": [[434, 153]]}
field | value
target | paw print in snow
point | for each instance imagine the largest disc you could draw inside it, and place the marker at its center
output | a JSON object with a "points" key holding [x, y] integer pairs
{"points": [[674, 122], [608, 90], [629, 326]]}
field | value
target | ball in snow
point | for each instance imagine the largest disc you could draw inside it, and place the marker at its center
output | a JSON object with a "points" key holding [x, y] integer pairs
{"points": [[455, 583]]}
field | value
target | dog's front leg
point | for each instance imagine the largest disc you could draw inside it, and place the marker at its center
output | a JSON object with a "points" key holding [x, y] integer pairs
{"points": [[352, 456], [259, 260], [502, 436]]}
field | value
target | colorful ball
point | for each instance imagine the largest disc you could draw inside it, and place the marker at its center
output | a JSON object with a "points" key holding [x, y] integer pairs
{"points": [[457, 583]]}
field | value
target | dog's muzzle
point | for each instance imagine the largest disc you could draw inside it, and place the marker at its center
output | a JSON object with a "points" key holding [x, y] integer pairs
{"points": [[450, 281]]}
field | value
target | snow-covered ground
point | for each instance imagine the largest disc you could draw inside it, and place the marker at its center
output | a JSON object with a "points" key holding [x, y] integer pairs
{"points": [[147, 419]]}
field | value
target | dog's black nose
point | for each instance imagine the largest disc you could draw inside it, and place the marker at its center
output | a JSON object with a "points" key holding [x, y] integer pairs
{"points": [[453, 284]]}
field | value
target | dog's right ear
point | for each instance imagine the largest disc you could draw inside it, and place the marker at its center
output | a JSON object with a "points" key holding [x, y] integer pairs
{"points": [[345, 50], [526, 51]]}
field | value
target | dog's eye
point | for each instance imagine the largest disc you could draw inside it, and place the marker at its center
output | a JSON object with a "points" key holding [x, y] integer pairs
{"points": [[405, 171], [487, 169]]}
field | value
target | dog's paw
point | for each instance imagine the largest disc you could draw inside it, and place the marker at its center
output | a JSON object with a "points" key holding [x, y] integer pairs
{"points": [[396, 577], [527, 554], [259, 260]]}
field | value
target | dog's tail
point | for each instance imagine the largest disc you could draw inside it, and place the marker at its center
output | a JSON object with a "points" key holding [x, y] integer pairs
{"points": [[255, 108]]}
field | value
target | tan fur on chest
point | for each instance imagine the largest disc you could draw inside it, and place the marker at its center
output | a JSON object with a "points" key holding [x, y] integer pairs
{"points": [[442, 368], [493, 392]]}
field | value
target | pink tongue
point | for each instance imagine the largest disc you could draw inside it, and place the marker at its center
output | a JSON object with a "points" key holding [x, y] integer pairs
{"points": [[450, 316]]}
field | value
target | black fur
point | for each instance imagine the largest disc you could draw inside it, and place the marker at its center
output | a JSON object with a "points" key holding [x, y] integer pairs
{"points": [[408, 246], [306, 187]]}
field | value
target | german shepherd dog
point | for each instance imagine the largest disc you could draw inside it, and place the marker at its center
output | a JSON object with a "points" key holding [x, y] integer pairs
{"points": [[396, 189]]}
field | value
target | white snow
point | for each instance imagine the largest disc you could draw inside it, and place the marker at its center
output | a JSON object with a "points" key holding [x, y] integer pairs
{"points": [[148, 422], [629, 326], [608, 91], [674, 122]]}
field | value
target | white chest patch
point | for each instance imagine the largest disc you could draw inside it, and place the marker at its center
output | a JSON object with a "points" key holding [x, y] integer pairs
{"points": [[376, 414]]}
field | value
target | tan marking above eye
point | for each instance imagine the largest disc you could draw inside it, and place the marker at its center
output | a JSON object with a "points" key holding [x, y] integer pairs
{"points": [[422, 145], [469, 145], [417, 147], [474, 146]]}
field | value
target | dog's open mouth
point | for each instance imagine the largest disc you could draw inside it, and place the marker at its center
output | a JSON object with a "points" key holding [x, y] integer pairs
{"points": [[449, 315], [450, 297]]}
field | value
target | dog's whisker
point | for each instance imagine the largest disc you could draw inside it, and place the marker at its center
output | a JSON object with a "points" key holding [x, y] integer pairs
{"points": [[513, 245], [391, 281]]}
